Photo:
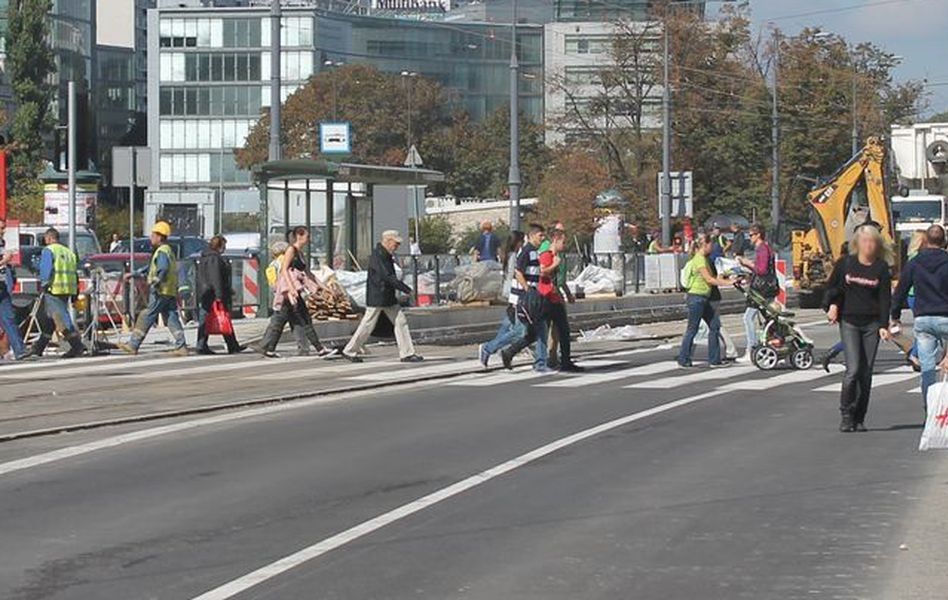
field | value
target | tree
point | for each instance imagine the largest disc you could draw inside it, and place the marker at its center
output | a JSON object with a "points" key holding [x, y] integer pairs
{"points": [[30, 62], [569, 188], [435, 234], [376, 104]]}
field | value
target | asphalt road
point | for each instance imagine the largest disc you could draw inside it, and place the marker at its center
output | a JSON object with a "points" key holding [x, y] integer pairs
{"points": [[721, 484]]}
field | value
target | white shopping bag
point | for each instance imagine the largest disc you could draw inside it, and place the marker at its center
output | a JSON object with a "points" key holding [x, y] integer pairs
{"points": [[935, 434]]}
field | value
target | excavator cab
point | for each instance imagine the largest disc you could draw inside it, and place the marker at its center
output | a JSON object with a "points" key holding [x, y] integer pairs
{"points": [[855, 194]]}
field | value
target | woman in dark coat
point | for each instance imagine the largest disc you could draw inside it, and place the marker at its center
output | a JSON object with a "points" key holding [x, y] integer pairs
{"points": [[214, 283]]}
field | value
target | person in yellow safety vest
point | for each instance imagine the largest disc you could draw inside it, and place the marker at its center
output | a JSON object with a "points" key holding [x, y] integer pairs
{"points": [[59, 279], [162, 275]]}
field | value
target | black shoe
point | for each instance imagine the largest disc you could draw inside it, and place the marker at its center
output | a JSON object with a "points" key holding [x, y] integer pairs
{"points": [[414, 358], [571, 367], [205, 350], [846, 425], [825, 361], [554, 364], [507, 358], [860, 427], [351, 357], [76, 348]]}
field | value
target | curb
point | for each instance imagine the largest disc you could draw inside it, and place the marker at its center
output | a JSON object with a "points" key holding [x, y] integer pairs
{"points": [[251, 402]]}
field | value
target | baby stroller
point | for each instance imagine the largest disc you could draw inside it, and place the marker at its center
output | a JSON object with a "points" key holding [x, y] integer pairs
{"points": [[778, 337]]}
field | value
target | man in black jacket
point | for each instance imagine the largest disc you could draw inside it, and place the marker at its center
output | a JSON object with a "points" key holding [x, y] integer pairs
{"points": [[213, 283], [380, 298]]}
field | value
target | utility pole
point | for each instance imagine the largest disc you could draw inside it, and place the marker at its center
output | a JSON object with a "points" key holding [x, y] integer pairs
{"points": [[71, 168], [513, 176], [852, 58], [276, 15], [665, 192], [775, 141]]}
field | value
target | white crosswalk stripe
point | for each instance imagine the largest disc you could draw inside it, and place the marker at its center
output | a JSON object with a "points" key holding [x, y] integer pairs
{"points": [[597, 378], [788, 378], [693, 377], [82, 368], [425, 371], [890, 377]]}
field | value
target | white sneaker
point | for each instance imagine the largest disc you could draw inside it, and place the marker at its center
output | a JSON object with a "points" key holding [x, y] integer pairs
{"points": [[9, 356], [744, 359]]}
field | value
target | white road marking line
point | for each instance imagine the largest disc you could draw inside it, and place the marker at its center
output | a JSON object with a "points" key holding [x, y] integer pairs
{"points": [[788, 378], [218, 368], [55, 363], [692, 377], [917, 390], [596, 378], [641, 350], [278, 567], [889, 377], [409, 372], [81, 369], [335, 367], [491, 379]]}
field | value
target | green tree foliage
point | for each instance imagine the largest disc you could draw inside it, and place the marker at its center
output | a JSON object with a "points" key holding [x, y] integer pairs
{"points": [[30, 62], [436, 233]]}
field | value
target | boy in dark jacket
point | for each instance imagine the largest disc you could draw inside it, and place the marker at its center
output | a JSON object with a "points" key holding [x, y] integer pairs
{"points": [[213, 283], [380, 298]]}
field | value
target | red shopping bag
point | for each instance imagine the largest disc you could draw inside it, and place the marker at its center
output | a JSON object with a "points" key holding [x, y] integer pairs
{"points": [[218, 320]]}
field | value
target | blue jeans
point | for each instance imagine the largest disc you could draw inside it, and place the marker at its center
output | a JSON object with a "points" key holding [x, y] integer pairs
{"points": [[167, 308], [9, 325], [508, 332], [931, 334], [700, 309], [750, 327]]}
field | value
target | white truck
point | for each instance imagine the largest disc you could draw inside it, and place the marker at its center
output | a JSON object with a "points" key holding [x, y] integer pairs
{"points": [[920, 160]]}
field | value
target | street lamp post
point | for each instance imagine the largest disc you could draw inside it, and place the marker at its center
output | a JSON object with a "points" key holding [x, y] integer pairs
{"points": [[666, 141], [513, 176], [409, 75], [775, 141]]}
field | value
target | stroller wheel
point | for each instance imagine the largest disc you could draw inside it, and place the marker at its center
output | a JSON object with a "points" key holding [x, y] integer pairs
{"points": [[766, 358], [801, 360]]}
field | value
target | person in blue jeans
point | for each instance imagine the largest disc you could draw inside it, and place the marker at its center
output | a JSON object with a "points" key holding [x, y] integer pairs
{"points": [[527, 274], [700, 282], [511, 329], [928, 274], [7, 315]]}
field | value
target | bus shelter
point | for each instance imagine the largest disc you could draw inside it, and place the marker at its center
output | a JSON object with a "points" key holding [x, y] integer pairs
{"points": [[341, 204]]}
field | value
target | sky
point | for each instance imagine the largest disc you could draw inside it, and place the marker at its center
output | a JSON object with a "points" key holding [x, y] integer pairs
{"points": [[914, 29]]}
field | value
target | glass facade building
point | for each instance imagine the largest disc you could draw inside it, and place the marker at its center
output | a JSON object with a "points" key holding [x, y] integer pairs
{"points": [[209, 70]]}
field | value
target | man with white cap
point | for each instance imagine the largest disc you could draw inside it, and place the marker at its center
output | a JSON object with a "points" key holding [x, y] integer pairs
{"points": [[380, 298]]}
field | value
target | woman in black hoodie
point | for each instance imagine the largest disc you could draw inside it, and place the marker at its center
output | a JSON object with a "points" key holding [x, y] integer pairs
{"points": [[213, 283], [858, 298]]}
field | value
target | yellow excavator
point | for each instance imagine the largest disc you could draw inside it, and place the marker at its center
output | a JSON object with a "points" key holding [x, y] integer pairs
{"points": [[855, 194]]}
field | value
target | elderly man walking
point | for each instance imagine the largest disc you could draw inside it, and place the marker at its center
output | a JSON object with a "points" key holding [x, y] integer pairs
{"points": [[380, 298], [928, 274]]}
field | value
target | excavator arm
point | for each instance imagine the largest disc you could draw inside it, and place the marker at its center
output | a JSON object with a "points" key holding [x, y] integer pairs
{"points": [[836, 209], [832, 203]]}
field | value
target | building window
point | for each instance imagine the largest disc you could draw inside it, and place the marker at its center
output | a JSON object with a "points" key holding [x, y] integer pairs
{"points": [[200, 66], [210, 101]]}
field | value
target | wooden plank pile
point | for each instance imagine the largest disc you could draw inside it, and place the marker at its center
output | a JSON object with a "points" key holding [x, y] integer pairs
{"points": [[330, 302]]}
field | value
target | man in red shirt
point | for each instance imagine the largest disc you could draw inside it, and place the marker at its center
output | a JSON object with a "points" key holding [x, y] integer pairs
{"points": [[549, 264]]}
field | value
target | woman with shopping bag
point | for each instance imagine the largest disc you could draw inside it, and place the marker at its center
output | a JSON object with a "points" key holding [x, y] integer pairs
{"points": [[215, 293]]}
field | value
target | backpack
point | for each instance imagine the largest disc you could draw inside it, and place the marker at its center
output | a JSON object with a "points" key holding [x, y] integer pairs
{"points": [[686, 274]]}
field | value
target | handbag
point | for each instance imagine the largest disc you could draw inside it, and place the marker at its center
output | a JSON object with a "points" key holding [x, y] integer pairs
{"points": [[767, 285], [218, 320], [935, 434]]}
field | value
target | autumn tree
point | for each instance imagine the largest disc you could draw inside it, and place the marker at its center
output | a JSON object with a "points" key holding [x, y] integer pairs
{"points": [[376, 104], [569, 188]]}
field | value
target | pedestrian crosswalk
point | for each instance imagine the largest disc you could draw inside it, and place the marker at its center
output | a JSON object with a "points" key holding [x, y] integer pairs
{"points": [[640, 369]]}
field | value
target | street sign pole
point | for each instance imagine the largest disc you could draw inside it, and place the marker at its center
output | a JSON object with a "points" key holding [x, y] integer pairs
{"points": [[71, 128], [414, 161]]}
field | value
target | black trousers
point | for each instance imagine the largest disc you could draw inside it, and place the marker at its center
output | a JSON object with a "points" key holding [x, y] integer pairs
{"points": [[860, 343], [556, 315], [298, 317], [231, 340]]}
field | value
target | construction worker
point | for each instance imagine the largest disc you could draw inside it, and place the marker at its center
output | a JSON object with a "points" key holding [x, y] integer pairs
{"points": [[59, 279], [162, 275]]}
